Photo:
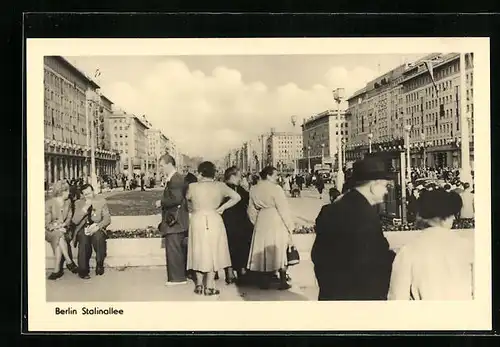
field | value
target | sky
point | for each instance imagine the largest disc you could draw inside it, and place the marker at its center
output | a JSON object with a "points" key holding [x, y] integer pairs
{"points": [[211, 104]]}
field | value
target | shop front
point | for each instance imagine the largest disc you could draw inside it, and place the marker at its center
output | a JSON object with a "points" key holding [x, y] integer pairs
{"points": [[71, 161]]}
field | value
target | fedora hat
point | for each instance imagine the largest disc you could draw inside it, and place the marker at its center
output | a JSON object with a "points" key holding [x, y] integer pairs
{"points": [[370, 169]]}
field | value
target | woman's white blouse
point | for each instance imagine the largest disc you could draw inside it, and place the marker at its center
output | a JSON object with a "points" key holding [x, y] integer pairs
{"points": [[438, 265]]}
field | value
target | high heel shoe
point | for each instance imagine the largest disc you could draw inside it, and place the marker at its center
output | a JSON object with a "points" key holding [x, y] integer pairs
{"points": [[72, 267], [230, 280], [211, 291], [198, 289]]}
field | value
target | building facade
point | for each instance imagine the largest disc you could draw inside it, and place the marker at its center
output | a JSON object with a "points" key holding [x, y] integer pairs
{"points": [[158, 144], [105, 110], [128, 137], [376, 113], [69, 114], [405, 98], [434, 115], [284, 149], [322, 135]]}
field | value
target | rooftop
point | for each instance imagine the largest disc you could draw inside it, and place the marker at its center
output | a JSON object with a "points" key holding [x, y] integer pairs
{"points": [[76, 70], [418, 70], [323, 114]]}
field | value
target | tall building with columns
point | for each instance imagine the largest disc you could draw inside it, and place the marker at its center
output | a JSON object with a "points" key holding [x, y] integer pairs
{"points": [[68, 115]]}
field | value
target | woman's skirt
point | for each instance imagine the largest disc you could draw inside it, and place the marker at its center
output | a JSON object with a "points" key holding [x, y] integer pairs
{"points": [[53, 238], [269, 243], [207, 242]]}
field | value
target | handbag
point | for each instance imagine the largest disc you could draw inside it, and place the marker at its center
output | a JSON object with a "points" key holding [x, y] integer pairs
{"points": [[172, 218], [292, 256]]}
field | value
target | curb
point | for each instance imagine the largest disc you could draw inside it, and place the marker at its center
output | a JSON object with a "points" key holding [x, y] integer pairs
{"points": [[148, 252]]}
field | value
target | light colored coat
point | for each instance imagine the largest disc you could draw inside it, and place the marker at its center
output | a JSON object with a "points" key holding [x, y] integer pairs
{"points": [[438, 265], [268, 210]]}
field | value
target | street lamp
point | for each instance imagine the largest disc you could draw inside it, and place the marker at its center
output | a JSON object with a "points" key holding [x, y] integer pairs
{"points": [[422, 137], [407, 146], [322, 154], [130, 143], [92, 97], [293, 120], [343, 148], [370, 138], [338, 96], [308, 159]]}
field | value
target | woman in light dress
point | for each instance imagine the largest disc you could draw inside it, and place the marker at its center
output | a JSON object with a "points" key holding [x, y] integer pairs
{"points": [[438, 264], [58, 216], [270, 214], [208, 249]]}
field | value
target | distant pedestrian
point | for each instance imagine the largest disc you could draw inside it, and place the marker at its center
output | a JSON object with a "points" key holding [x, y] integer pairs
{"points": [[320, 185], [300, 181]]}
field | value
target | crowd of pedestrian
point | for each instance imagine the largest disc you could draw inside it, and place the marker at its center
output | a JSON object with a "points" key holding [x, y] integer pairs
{"points": [[238, 224], [241, 224]]}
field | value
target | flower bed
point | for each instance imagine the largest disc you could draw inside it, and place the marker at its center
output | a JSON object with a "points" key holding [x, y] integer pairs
{"points": [[152, 232]]}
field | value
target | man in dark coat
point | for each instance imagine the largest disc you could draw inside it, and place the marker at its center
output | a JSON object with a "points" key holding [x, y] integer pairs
{"points": [[174, 222], [351, 256], [300, 181]]}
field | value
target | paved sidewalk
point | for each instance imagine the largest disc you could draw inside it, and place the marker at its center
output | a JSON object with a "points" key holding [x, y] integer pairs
{"points": [[148, 284]]}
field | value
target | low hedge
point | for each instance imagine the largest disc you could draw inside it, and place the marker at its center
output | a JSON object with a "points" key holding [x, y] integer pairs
{"points": [[152, 232]]}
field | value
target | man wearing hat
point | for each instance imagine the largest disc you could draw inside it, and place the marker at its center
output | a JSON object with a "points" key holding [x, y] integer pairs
{"points": [[351, 256]]}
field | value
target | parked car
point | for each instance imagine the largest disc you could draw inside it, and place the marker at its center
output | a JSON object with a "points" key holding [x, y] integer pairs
{"points": [[326, 175]]}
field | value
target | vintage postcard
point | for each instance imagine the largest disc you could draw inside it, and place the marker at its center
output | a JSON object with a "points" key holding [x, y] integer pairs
{"points": [[258, 184]]}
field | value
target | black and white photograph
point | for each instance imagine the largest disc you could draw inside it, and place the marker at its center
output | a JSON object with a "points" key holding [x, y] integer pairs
{"points": [[205, 180]]}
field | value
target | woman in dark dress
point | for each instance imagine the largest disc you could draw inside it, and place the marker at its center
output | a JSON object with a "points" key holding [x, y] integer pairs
{"points": [[238, 227], [188, 179]]}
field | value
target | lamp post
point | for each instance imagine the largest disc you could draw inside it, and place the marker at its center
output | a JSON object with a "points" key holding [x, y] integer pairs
{"points": [[465, 168], [308, 159], [424, 154], [370, 138], [344, 149], [92, 97], [130, 147], [407, 146], [293, 120], [338, 96], [322, 154]]}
